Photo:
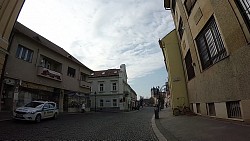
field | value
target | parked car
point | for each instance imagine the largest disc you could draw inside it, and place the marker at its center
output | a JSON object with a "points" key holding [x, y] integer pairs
{"points": [[36, 111]]}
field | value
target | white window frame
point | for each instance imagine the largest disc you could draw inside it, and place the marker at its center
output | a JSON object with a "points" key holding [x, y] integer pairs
{"points": [[101, 103], [25, 51], [113, 86], [101, 88], [116, 103]]}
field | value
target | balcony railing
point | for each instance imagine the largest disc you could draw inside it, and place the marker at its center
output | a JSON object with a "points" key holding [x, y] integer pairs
{"points": [[49, 74], [84, 84]]}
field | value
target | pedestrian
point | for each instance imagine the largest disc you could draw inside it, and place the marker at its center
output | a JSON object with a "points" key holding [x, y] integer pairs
{"points": [[83, 108]]}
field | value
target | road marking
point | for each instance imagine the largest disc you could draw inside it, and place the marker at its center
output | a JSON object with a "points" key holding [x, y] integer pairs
{"points": [[157, 131]]}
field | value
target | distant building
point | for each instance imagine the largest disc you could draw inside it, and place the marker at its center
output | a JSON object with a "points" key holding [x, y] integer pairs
{"points": [[37, 69], [110, 90], [9, 10], [213, 38]]}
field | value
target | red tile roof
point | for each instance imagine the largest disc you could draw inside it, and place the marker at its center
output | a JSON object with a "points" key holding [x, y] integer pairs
{"points": [[105, 73]]}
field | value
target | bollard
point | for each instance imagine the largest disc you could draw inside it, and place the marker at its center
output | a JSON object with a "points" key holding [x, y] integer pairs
{"points": [[156, 114]]}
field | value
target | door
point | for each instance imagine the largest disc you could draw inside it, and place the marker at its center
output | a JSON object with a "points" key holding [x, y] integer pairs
{"points": [[45, 111]]}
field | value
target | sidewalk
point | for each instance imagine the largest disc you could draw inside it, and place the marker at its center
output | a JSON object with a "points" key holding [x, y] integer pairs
{"points": [[199, 128], [5, 116]]}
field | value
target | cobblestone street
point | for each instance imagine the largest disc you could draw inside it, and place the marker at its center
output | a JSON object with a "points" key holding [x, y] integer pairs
{"points": [[135, 125]]}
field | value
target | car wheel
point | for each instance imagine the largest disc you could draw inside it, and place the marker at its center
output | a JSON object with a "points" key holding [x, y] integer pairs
{"points": [[55, 116], [38, 118]]}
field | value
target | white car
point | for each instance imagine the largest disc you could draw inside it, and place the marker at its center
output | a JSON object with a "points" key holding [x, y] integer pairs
{"points": [[36, 110]]}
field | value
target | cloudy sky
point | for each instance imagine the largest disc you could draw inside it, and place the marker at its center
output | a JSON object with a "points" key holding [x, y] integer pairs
{"points": [[103, 34]]}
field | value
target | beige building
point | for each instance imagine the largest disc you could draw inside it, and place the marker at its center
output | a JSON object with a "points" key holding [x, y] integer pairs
{"points": [[176, 77], [9, 10], [38, 69], [110, 90], [214, 39]]}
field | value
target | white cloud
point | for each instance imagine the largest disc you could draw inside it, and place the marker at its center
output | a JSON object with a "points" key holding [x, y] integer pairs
{"points": [[103, 34]]}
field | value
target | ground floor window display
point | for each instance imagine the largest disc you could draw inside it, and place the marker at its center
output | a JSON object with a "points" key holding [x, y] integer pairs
{"points": [[74, 102], [12, 98]]}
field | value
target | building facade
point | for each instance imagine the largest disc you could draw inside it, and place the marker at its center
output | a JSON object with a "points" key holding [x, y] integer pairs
{"points": [[9, 10], [214, 42], [37, 69], [176, 77], [110, 90]]}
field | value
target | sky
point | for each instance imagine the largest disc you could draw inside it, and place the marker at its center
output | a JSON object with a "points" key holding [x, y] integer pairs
{"points": [[103, 34]]}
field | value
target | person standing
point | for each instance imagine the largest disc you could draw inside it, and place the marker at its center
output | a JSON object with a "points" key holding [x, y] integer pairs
{"points": [[83, 108]]}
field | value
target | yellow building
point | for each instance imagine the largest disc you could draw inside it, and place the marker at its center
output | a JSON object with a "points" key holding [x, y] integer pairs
{"points": [[9, 10], [214, 38], [176, 78]]}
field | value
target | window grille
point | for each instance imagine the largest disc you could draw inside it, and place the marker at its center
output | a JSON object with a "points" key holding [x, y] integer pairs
{"points": [[233, 109], [244, 7], [189, 66], [210, 45]]}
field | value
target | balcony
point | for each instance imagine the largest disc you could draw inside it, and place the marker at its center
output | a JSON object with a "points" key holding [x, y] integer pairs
{"points": [[84, 84], [44, 72]]}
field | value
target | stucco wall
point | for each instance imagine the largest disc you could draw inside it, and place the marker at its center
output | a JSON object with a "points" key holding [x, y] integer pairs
{"points": [[9, 10], [177, 81], [19, 69], [226, 80]]}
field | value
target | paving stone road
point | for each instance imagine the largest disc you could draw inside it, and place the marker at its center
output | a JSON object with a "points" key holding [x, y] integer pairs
{"points": [[134, 125]]}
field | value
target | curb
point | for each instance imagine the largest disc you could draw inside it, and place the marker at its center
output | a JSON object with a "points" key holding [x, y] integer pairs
{"points": [[5, 119], [156, 130]]}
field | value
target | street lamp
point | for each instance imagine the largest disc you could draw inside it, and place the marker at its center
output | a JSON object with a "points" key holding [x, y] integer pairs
{"points": [[95, 101]]}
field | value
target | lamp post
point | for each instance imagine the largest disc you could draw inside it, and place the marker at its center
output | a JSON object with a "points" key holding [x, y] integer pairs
{"points": [[95, 101]]}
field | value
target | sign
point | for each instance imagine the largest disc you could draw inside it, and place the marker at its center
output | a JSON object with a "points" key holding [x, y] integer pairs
{"points": [[49, 74]]}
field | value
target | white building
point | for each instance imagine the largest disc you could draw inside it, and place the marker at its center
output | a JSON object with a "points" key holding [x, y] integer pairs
{"points": [[110, 90]]}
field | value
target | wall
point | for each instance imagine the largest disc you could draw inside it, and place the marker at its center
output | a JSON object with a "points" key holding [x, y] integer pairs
{"points": [[177, 80], [28, 71], [228, 79]]}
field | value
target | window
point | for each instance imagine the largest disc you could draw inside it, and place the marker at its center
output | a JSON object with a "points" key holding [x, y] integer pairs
{"points": [[71, 72], [173, 5], [189, 66], [101, 102], [24, 53], [210, 46], [211, 109], [45, 63], [51, 106], [198, 108], [233, 109], [46, 106], [114, 102], [180, 28], [244, 7], [83, 77], [114, 86], [101, 87], [189, 4]]}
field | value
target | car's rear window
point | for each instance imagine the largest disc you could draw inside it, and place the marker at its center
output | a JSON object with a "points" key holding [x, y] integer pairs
{"points": [[33, 104]]}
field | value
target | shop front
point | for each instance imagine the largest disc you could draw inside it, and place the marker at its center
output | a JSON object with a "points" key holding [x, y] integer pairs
{"points": [[17, 93], [73, 101]]}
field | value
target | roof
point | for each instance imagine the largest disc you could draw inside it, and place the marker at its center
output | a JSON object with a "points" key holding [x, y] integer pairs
{"points": [[20, 28], [105, 73]]}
